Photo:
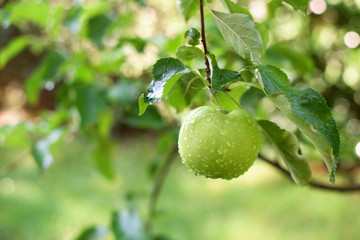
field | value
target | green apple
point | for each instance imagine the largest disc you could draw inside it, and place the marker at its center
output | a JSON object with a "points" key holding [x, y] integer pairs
{"points": [[218, 144]]}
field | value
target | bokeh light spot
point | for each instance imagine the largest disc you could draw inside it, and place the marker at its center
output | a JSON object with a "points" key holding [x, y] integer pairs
{"points": [[318, 6], [352, 39]]}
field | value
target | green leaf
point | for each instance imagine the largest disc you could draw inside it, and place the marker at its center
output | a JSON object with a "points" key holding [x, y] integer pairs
{"points": [[151, 119], [221, 78], [187, 53], [187, 8], [16, 136], [127, 225], [103, 159], [184, 91], [97, 29], [307, 109], [41, 150], [142, 105], [13, 48], [124, 93], [93, 233], [240, 33], [166, 72], [251, 98], [284, 55], [72, 20], [35, 11], [192, 35], [226, 102], [235, 8], [90, 102], [288, 147], [299, 4], [49, 71]]}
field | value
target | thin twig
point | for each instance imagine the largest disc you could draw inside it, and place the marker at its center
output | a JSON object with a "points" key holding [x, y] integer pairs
{"points": [[14, 164], [312, 184], [203, 41], [158, 184]]}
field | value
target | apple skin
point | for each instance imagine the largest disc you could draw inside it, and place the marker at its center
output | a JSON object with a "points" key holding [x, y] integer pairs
{"points": [[219, 144]]}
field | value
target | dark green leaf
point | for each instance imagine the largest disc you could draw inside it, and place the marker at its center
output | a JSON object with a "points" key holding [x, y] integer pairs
{"points": [[124, 93], [251, 98], [72, 20], [307, 109], [138, 43], [166, 72], [188, 8], [184, 91], [127, 225], [192, 35], [151, 119], [285, 55], [240, 33], [49, 71], [97, 28], [12, 49], [221, 78], [299, 4], [288, 147], [93, 233], [90, 102], [141, 2]]}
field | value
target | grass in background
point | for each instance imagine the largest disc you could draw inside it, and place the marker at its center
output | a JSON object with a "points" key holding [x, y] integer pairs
{"points": [[72, 195]]}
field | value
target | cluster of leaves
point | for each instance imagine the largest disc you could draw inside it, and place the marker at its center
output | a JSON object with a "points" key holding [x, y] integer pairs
{"points": [[91, 94], [174, 80]]}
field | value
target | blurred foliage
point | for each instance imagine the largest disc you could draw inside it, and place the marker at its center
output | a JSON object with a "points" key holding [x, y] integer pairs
{"points": [[80, 67]]}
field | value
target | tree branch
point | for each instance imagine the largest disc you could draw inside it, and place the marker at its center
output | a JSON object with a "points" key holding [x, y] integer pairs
{"points": [[203, 41], [312, 184], [158, 184]]}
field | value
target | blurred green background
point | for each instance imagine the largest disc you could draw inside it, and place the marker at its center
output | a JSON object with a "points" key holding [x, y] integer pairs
{"points": [[73, 150]]}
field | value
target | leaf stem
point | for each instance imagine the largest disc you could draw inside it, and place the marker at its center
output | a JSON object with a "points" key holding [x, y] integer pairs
{"points": [[233, 99], [203, 41]]}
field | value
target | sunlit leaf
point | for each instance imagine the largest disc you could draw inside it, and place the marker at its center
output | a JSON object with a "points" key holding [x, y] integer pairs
{"points": [[186, 53], [240, 32], [288, 147], [166, 72], [13, 48]]}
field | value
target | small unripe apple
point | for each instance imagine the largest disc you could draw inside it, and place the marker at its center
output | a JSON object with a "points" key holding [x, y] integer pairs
{"points": [[218, 144]]}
